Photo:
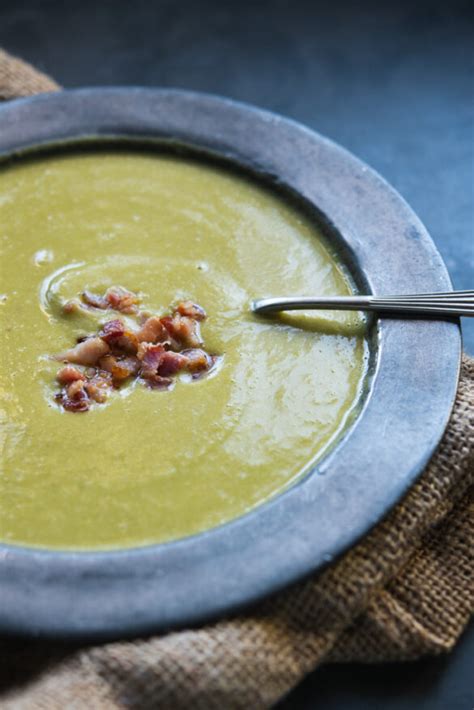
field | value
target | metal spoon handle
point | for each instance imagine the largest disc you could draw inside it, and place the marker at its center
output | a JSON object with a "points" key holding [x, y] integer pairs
{"points": [[453, 303]]}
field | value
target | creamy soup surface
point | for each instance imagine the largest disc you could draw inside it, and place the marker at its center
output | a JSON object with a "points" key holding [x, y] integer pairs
{"points": [[151, 466]]}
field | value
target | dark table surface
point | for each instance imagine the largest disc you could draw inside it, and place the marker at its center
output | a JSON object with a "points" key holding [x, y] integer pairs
{"points": [[392, 82]]}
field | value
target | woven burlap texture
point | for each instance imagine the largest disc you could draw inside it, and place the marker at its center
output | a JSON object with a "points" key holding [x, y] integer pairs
{"points": [[406, 590], [17, 78]]}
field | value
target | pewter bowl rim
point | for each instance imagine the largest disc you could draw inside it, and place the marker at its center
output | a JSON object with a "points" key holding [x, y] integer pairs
{"points": [[105, 595]]}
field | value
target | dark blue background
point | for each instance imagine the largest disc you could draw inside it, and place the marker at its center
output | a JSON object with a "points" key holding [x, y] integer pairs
{"points": [[392, 82]]}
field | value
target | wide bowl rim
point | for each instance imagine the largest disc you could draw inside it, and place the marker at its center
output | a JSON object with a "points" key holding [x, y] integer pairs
{"points": [[112, 594]]}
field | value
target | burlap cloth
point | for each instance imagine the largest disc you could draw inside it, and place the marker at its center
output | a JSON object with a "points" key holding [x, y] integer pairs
{"points": [[405, 591]]}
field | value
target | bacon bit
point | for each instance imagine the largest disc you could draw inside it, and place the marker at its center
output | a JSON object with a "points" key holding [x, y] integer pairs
{"points": [[103, 375], [119, 368], [156, 382], [97, 388], [69, 374], [122, 300], [131, 364], [107, 363], [112, 330], [171, 363], [153, 354], [94, 300], [77, 396], [124, 368], [192, 310], [197, 360], [74, 397], [183, 329], [142, 317], [75, 389], [121, 340], [152, 331], [199, 374], [127, 343], [150, 356], [73, 405], [167, 323], [86, 353], [120, 373]]}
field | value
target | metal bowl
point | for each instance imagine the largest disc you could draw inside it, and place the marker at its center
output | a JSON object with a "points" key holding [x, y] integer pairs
{"points": [[410, 388]]}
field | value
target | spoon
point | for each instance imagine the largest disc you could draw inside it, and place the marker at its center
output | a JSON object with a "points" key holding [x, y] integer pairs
{"points": [[451, 303]]}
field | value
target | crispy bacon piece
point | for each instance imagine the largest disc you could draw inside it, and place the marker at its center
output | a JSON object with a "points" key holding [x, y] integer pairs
{"points": [[132, 364], [192, 310], [107, 362], [74, 397], [74, 405], [150, 356], [183, 330], [122, 300], [120, 368], [94, 300], [86, 353], [120, 340], [69, 374], [171, 363], [80, 393], [152, 331], [156, 360], [116, 297], [157, 382], [75, 389], [97, 390], [197, 360], [112, 330], [155, 353], [98, 385], [127, 343]]}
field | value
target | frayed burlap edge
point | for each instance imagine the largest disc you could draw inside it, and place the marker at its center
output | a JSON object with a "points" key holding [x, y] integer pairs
{"points": [[18, 78]]}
